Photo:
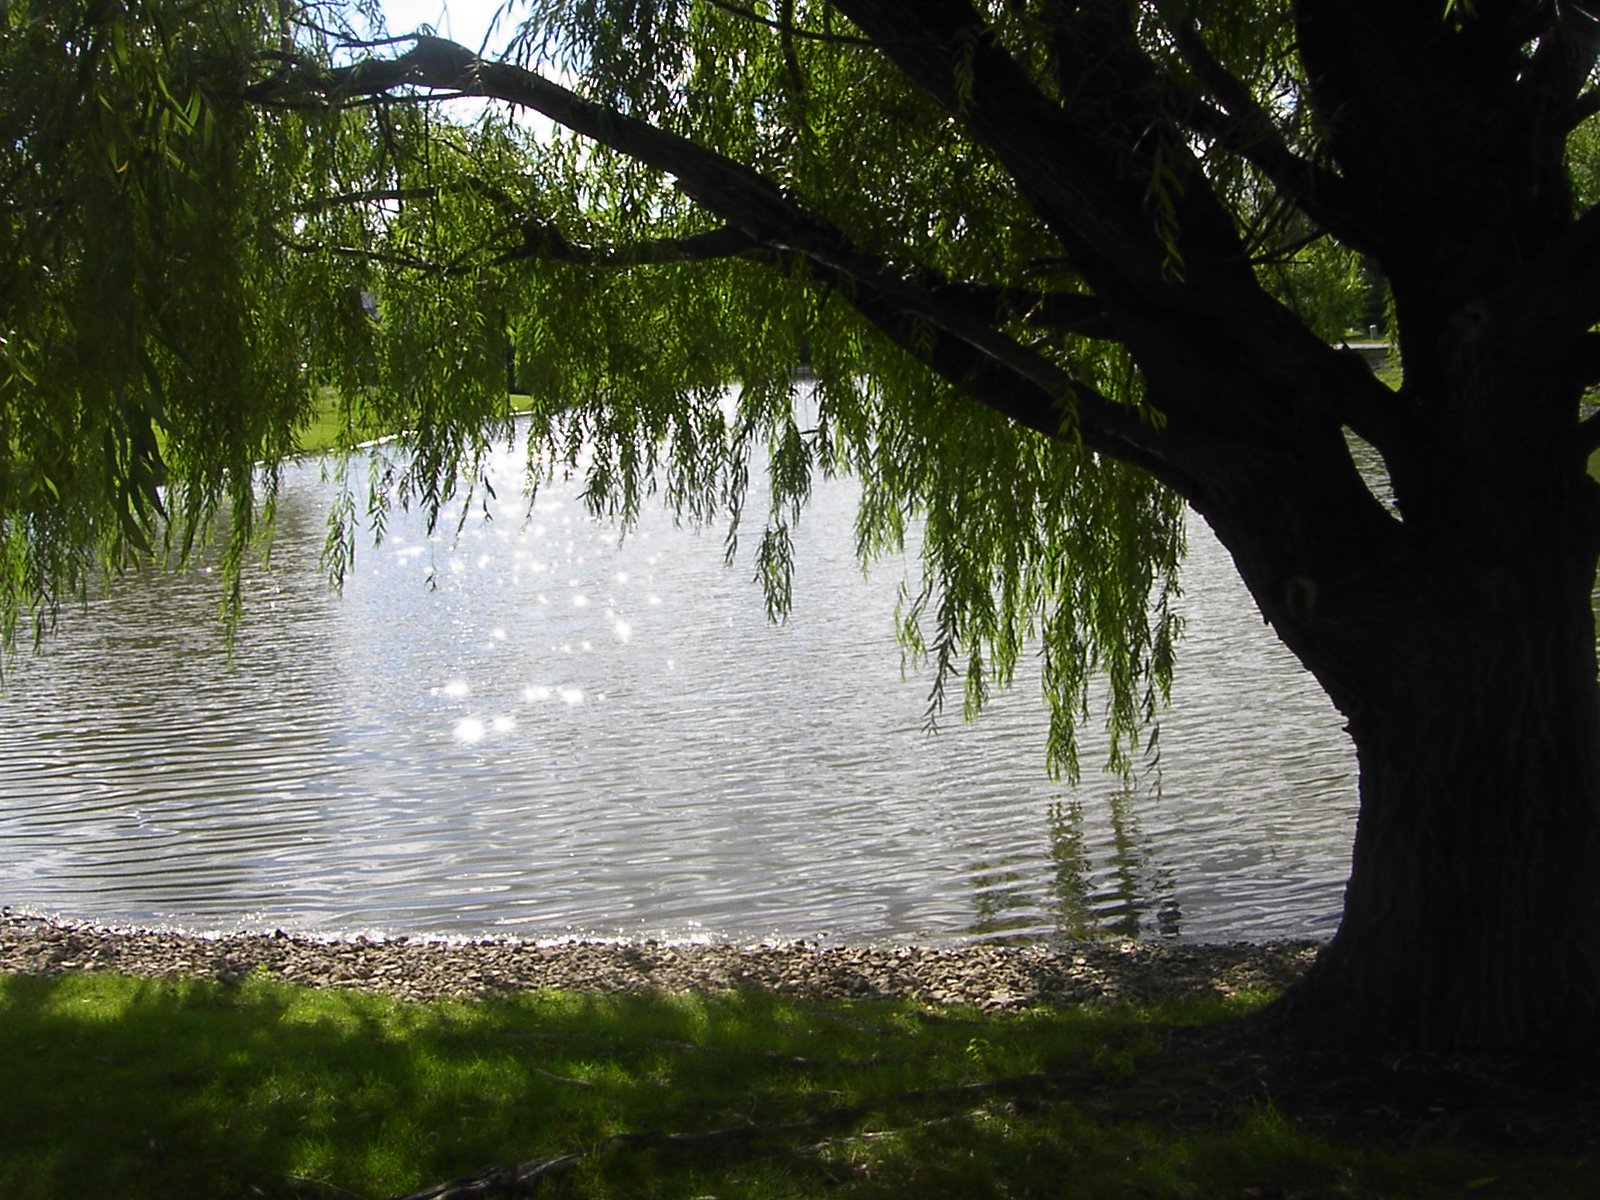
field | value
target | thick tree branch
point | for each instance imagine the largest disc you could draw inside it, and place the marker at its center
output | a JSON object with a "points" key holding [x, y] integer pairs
{"points": [[1078, 169], [955, 327], [1243, 127], [1563, 63], [1087, 174], [1554, 298], [1589, 433], [368, 196], [788, 29], [1319, 193], [1117, 430], [755, 209], [1076, 313], [545, 243], [1584, 107]]}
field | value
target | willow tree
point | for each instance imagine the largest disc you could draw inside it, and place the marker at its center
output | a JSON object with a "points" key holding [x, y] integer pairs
{"points": [[1039, 257]]}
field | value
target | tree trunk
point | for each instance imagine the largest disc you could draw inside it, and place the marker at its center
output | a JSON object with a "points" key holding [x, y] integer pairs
{"points": [[1457, 636], [1464, 658], [1472, 915]]}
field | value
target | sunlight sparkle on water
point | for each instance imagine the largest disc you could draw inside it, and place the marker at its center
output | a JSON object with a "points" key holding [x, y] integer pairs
{"points": [[790, 791]]}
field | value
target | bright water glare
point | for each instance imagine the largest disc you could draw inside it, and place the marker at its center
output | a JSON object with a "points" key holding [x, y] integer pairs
{"points": [[534, 728]]}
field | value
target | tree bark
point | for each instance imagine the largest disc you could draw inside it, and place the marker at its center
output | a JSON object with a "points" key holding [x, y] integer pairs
{"points": [[1472, 914], [1461, 648]]}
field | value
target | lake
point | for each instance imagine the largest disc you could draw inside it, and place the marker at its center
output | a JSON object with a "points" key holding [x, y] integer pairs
{"points": [[536, 729]]}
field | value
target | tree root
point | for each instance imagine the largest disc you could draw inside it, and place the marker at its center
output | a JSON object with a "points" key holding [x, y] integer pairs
{"points": [[517, 1179]]}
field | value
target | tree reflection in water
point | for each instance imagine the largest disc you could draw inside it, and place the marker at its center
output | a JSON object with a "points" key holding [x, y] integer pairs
{"points": [[1130, 894]]}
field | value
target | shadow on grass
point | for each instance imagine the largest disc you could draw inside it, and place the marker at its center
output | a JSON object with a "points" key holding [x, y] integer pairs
{"points": [[116, 1086]]}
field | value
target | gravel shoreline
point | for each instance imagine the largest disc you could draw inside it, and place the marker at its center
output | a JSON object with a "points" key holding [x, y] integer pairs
{"points": [[991, 977]]}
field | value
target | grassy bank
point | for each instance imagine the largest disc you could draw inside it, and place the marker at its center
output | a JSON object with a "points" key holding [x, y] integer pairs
{"points": [[115, 1086], [330, 428]]}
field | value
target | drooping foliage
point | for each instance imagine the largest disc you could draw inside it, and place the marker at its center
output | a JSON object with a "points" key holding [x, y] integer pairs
{"points": [[154, 338], [205, 240], [1054, 267], [221, 217]]}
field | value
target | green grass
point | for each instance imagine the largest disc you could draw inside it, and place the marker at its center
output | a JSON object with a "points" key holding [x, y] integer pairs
{"points": [[121, 1087], [326, 429]]}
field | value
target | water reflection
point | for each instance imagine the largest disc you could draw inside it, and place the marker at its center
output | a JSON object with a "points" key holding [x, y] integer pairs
{"points": [[531, 728], [1129, 894]]}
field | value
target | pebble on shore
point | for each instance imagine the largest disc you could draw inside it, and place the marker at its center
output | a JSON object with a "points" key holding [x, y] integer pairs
{"points": [[990, 977]]}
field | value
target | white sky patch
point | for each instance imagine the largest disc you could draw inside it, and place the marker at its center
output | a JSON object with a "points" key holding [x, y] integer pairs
{"points": [[464, 21], [472, 23]]}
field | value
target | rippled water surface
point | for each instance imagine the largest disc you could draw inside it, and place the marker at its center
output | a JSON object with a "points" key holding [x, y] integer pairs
{"points": [[532, 729]]}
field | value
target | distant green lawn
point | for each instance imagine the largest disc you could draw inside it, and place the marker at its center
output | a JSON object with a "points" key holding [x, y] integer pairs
{"points": [[330, 428], [120, 1087]]}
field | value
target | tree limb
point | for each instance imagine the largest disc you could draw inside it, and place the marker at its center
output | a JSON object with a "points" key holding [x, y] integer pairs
{"points": [[525, 1178], [1081, 172], [517, 1179], [1118, 430], [788, 28], [752, 206], [544, 242], [369, 196], [406, 262], [1563, 62], [1553, 298], [1589, 433], [1243, 127], [955, 328], [1076, 178], [1583, 107]]}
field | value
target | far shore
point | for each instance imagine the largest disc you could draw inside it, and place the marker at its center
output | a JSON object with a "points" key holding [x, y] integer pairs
{"points": [[986, 976]]}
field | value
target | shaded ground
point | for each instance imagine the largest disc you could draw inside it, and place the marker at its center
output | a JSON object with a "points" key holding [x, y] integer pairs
{"points": [[1493, 1105], [1180, 1079]]}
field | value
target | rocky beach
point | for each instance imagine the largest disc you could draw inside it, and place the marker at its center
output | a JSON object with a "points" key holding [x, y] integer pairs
{"points": [[988, 976]]}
